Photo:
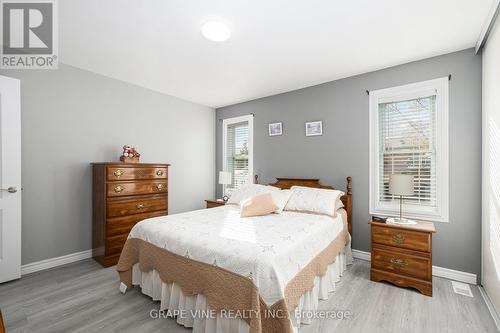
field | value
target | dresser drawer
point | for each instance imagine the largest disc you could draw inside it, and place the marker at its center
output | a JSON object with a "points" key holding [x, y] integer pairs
{"points": [[407, 239], [401, 263], [114, 245], [130, 207], [116, 189], [122, 225], [136, 173]]}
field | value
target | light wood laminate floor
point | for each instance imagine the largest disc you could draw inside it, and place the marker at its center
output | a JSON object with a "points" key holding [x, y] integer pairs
{"points": [[83, 297]]}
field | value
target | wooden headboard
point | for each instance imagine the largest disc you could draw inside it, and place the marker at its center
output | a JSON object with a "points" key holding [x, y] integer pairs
{"points": [[286, 183]]}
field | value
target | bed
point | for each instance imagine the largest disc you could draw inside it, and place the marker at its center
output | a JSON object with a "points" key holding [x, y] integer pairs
{"points": [[217, 272]]}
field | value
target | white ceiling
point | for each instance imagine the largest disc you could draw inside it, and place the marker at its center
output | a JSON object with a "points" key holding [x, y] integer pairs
{"points": [[276, 45]]}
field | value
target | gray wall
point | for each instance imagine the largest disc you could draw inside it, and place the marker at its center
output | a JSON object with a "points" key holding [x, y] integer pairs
{"points": [[343, 149], [70, 118]]}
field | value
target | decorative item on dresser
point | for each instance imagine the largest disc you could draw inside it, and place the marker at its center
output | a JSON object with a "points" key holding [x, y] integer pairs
{"points": [[215, 203], [402, 254], [130, 155], [124, 194]]}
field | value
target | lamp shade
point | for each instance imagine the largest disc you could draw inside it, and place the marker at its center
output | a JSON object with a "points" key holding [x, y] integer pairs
{"points": [[401, 184], [224, 177]]}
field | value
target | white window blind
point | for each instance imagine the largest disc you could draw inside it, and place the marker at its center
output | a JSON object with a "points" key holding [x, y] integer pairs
{"points": [[408, 146], [409, 135], [238, 151]]}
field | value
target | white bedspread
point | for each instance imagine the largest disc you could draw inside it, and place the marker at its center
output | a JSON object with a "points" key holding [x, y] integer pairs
{"points": [[270, 249]]}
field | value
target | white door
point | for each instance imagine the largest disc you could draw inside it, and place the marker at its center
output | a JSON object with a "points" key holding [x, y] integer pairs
{"points": [[10, 179]]}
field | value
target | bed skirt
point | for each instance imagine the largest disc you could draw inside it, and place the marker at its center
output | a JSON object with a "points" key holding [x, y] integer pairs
{"points": [[194, 312]]}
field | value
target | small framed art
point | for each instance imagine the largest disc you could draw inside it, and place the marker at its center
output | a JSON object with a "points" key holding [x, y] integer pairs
{"points": [[275, 129], [314, 128]]}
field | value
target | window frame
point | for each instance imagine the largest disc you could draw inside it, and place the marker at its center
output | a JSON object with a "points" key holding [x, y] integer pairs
{"points": [[409, 91], [235, 120]]}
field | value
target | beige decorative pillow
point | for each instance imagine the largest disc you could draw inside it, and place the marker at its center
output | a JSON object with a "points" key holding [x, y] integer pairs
{"points": [[258, 205], [314, 200]]}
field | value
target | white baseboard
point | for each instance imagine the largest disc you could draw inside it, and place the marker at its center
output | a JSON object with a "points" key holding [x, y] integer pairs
{"points": [[452, 274], [69, 258], [446, 273], [361, 255], [490, 306], [54, 262]]}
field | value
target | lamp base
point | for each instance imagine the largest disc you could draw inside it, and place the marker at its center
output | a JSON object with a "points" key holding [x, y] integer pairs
{"points": [[397, 220]]}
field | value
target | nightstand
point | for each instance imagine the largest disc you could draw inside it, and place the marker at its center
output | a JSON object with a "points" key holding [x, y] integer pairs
{"points": [[214, 203], [402, 254]]}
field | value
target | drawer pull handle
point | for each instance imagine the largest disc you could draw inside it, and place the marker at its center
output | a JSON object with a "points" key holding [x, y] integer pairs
{"points": [[118, 173], [159, 173], [398, 239], [398, 262], [118, 189], [159, 187], [140, 206]]}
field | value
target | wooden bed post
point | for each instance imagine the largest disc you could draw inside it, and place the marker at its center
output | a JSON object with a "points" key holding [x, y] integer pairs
{"points": [[256, 179], [348, 204]]}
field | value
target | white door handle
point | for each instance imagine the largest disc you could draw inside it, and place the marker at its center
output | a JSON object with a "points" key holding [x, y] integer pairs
{"points": [[11, 189]]}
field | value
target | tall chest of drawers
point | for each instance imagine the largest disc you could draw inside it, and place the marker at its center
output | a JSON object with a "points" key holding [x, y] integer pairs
{"points": [[122, 195]]}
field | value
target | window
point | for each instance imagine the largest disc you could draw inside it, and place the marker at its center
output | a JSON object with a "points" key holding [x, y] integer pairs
{"points": [[409, 135], [238, 150]]}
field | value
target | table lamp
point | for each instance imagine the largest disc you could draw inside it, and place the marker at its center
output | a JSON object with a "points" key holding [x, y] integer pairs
{"points": [[225, 178], [400, 184]]}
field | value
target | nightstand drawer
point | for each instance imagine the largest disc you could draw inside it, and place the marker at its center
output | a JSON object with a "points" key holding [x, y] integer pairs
{"points": [[407, 239], [402, 264]]}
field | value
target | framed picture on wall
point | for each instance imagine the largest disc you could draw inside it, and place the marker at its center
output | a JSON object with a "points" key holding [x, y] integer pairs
{"points": [[314, 128], [275, 129]]}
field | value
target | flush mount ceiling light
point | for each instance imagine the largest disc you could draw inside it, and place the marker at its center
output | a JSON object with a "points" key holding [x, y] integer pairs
{"points": [[216, 31]]}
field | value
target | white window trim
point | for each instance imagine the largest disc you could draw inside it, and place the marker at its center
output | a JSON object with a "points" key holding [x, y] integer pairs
{"points": [[235, 120], [440, 86]]}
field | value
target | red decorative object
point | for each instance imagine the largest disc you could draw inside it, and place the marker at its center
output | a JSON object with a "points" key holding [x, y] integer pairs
{"points": [[130, 155]]}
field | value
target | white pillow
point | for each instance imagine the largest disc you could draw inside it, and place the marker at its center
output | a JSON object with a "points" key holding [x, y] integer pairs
{"points": [[339, 204], [248, 191], [280, 198], [314, 200]]}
